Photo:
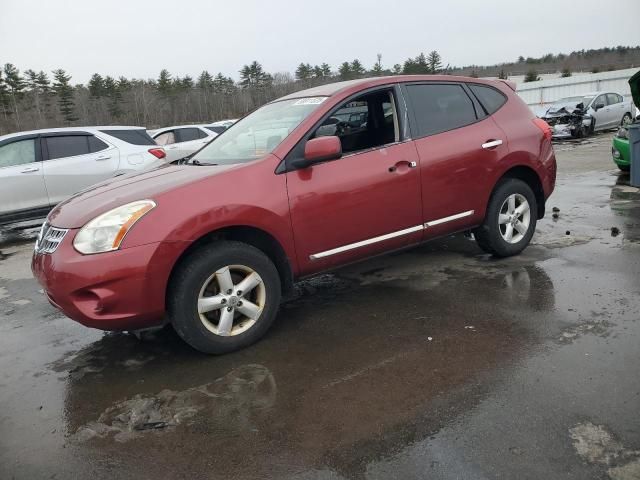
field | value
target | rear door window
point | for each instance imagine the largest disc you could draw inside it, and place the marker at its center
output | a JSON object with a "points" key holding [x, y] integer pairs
{"points": [[19, 152], [439, 107], [187, 134], [490, 98], [133, 137], [202, 134], [613, 98], [67, 146]]}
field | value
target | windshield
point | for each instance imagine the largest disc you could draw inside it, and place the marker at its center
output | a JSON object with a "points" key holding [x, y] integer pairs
{"points": [[573, 101], [259, 133]]}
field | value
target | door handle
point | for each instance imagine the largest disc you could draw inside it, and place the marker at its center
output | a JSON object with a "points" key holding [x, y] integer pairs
{"points": [[103, 157], [394, 168], [30, 170], [492, 144]]}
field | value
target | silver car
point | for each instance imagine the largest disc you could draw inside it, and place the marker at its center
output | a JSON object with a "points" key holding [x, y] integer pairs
{"points": [[41, 168]]}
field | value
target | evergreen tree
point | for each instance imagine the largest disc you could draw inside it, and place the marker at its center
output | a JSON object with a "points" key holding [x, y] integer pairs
{"points": [[223, 85], [205, 81], [16, 85], [112, 92], [64, 92], [565, 72], [4, 97], [435, 62], [357, 70], [326, 70], [304, 71], [254, 76], [96, 86], [531, 76], [345, 71], [165, 83], [502, 75]]}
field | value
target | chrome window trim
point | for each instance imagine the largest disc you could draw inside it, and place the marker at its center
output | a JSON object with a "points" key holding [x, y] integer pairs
{"points": [[389, 236]]}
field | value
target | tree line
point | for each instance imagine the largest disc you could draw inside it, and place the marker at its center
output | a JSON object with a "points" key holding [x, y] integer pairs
{"points": [[31, 100], [591, 60]]}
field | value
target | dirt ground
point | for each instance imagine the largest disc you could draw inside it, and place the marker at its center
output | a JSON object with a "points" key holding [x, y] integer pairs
{"points": [[439, 362]]}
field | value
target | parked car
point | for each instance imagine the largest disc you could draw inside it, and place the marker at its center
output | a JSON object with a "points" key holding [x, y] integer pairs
{"points": [[211, 245], [221, 126], [600, 111], [181, 141], [41, 168], [620, 149]]}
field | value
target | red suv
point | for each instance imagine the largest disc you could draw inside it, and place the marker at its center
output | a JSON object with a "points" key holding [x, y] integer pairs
{"points": [[306, 183]]}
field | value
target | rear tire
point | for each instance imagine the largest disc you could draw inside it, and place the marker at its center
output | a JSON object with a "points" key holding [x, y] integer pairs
{"points": [[510, 221], [626, 120], [205, 306]]}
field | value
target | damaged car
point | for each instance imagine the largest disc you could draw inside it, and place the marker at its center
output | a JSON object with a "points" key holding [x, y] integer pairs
{"points": [[568, 118], [620, 149]]}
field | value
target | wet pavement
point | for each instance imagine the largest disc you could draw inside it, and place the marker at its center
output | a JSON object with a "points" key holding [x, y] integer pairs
{"points": [[439, 362]]}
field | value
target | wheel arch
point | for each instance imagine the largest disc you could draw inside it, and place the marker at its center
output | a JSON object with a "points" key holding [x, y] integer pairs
{"points": [[256, 237], [531, 178]]}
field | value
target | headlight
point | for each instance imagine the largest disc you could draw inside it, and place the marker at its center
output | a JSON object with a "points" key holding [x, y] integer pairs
{"points": [[106, 232], [622, 133]]}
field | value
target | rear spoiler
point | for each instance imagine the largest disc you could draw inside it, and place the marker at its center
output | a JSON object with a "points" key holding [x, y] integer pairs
{"points": [[510, 84]]}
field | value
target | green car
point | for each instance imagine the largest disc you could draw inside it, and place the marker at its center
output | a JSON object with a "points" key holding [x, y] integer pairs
{"points": [[620, 149]]}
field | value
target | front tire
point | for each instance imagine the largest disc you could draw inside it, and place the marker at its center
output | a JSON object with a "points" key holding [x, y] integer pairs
{"points": [[224, 297], [510, 221]]}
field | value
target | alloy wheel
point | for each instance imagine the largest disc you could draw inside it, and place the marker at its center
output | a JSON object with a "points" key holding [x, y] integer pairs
{"points": [[514, 218], [231, 300]]}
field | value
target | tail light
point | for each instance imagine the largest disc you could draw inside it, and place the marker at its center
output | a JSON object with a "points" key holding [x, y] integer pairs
{"points": [[157, 152], [544, 126]]}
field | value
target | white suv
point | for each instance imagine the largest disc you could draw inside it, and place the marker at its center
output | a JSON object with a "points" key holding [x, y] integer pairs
{"points": [[41, 168], [181, 141]]}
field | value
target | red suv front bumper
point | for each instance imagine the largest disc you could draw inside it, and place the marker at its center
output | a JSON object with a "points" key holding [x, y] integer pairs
{"points": [[119, 290]]}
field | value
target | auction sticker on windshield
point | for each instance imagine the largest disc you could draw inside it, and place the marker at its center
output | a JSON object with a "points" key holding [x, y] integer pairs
{"points": [[310, 101]]}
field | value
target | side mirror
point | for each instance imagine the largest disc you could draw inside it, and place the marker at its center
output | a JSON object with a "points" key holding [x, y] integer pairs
{"points": [[321, 149], [598, 106]]}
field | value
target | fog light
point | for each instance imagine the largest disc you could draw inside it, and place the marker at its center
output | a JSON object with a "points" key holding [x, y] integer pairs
{"points": [[616, 153]]}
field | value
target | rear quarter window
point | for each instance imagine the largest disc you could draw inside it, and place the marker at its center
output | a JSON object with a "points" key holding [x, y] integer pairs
{"points": [[490, 98], [440, 107], [96, 145], [133, 137]]}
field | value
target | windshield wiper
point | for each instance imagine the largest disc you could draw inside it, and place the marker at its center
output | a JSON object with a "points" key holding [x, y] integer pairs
{"points": [[201, 164]]}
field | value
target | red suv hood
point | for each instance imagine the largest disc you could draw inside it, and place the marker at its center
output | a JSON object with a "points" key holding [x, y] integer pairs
{"points": [[87, 204]]}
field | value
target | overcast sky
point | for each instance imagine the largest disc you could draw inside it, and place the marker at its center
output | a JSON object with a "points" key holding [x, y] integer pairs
{"points": [[137, 38]]}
